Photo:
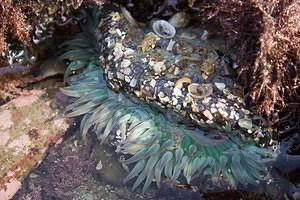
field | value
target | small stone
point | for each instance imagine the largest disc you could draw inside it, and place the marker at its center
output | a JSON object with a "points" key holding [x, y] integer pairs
{"points": [[133, 82], [153, 83], [125, 63], [165, 99], [118, 31], [127, 71], [206, 100], [110, 76], [220, 105], [204, 35], [161, 95], [110, 57], [158, 67], [223, 113], [127, 79], [118, 51], [245, 123], [144, 60], [174, 102], [99, 165], [220, 86], [213, 110], [120, 76], [208, 115], [178, 107], [128, 52], [177, 92], [176, 71]]}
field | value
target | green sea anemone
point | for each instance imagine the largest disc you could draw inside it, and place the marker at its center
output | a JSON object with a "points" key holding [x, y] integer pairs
{"points": [[155, 144]]}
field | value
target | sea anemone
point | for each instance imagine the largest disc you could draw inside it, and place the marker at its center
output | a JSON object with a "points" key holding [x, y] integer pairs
{"points": [[156, 145]]}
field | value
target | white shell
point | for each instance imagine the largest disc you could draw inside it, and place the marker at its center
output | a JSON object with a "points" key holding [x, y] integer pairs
{"points": [[163, 29]]}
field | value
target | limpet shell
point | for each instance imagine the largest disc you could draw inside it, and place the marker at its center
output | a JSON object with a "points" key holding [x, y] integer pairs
{"points": [[163, 29], [200, 91]]}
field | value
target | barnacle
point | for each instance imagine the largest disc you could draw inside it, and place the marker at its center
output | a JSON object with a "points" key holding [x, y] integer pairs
{"points": [[156, 146]]}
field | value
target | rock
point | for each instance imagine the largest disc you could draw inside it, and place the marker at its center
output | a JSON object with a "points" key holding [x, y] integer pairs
{"points": [[27, 127]]}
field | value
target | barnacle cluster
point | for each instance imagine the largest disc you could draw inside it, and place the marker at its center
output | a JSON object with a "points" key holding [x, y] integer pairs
{"points": [[153, 141]]}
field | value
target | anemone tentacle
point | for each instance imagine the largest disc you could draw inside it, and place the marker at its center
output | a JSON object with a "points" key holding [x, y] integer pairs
{"points": [[156, 146]]}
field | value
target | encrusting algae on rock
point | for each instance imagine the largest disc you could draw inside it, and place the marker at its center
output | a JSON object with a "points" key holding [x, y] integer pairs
{"points": [[27, 127]]}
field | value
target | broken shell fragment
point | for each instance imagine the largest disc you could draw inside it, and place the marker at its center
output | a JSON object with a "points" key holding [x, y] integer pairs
{"points": [[180, 20], [149, 42], [163, 29], [200, 91], [245, 123], [179, 83]]}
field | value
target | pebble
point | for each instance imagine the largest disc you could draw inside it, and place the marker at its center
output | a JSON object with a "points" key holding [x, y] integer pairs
{"points": [[245, 123], [208, 115], [125, 63], [158, 67], [213, 110], [204, 35], [133, 82], [127, 71], [223, 113], [120, 76], [153, 83], [128, 52], [127, 79], [161, 95], [177, 92], [220, 105], [176, 71], [175, 101], [99, 165], [220, 86], [178, 107]]}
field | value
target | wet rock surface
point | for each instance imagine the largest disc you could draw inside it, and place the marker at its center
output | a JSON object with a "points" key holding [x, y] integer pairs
{"points": [[27, 127]]}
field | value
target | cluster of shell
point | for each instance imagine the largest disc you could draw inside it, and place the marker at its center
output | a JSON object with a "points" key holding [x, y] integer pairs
{"points": [[175, 65]]}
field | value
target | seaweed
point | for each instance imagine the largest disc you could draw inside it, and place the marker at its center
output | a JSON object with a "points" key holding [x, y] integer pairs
{"points": [[267, 34]]}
